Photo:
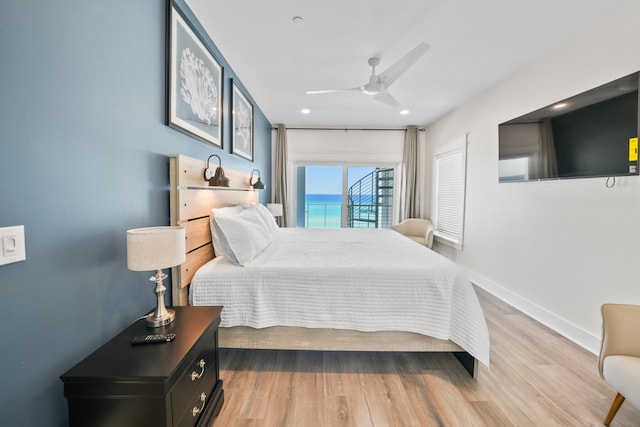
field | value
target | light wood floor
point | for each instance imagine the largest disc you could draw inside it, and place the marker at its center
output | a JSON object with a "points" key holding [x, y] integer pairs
{"points": [[536, 378]]}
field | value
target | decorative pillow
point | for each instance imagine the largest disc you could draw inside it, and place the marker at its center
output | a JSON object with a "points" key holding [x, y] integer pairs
{"points": [[220, 247], [243, 235]]}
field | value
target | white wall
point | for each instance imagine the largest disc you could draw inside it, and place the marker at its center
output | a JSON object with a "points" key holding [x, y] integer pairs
{"points": [[555, 249]]}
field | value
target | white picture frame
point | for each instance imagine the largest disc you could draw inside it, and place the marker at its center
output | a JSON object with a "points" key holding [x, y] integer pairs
{"points": [[241, 123], [194, 89]]}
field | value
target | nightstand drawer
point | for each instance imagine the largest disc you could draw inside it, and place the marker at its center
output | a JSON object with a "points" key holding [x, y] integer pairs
{"points": [[198, 378], [195, 406]]}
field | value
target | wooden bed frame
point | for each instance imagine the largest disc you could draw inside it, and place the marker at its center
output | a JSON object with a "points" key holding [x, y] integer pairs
{"points": [[191, 200]]}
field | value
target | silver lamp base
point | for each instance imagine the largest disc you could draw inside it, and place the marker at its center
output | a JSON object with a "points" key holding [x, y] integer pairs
{"points": [[161, 315], [156, 322]]}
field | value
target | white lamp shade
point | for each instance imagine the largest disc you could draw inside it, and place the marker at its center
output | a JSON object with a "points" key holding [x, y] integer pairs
{"points": [[275, 209], [155, 248]]}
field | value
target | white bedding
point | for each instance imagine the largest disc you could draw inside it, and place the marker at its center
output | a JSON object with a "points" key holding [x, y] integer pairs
{"points": [[359, 279]]}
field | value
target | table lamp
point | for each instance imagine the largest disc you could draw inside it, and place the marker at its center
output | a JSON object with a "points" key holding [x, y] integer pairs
{"points": [[276, 210], [156, 248]]}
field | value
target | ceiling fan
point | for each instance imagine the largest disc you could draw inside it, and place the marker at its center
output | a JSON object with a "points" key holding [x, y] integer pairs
{"points": [[379, 83]]}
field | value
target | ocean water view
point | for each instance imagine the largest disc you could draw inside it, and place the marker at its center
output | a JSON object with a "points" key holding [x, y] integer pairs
{"points": [[323, 210]]}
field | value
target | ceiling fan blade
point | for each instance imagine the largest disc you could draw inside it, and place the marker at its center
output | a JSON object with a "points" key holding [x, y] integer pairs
{"points": [[315, 92], [392, 73], [386, 98]]}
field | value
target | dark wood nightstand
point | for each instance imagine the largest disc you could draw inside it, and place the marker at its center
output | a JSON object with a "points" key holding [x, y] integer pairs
{"points": [[167, 384]]}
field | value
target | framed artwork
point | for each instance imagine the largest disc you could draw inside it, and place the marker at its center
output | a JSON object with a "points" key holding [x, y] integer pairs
{"points": [[194, 83], [241, 123]]}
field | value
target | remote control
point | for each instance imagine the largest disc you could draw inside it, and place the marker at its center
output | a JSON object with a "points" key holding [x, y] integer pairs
{"points": [[151, 339]]}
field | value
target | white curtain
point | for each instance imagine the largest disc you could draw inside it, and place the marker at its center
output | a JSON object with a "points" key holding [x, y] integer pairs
{"points": [[280, 181], [410, 184]]}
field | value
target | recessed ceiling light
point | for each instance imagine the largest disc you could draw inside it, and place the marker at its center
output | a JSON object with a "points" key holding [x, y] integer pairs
{"points": [[305, 111], [298, 20], [404, 112], [559, 106]]}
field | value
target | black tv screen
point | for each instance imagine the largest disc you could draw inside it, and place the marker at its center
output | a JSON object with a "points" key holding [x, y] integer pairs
{"points": [[592, 134]]}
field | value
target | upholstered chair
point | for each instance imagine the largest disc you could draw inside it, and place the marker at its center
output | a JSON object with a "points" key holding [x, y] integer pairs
{"points": [[619, 361], [418, 229]]}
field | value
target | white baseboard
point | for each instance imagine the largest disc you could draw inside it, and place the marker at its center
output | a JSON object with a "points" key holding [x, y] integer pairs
{"points": [[568, 330]]}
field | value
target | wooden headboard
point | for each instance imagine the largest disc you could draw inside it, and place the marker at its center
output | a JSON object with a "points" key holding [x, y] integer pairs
{"points": [[191, 201]]}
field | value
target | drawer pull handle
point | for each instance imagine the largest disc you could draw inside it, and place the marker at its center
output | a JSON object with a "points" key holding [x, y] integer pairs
{"points": [[195, 411], [194, 374]]}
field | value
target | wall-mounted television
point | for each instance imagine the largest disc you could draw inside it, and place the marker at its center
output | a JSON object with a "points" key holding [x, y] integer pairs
{"points": [[593, 134]]}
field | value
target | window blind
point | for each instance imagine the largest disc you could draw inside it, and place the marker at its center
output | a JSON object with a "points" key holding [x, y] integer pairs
{"points": [[449, 171]]}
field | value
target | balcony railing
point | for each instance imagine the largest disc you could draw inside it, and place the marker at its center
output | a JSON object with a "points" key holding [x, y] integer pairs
{"points": [[323, 215]]}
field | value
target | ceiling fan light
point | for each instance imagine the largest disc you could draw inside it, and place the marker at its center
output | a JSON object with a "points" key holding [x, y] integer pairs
{"points": [[373, 88]]}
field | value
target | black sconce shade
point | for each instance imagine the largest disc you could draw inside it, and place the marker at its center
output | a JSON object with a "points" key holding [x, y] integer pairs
{"points": [[259, 185], [216, 179]]}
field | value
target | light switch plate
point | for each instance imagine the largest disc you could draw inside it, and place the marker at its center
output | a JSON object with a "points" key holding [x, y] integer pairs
{"points": [[12, 244]]}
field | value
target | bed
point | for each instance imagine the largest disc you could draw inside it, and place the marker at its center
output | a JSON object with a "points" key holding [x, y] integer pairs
{"points": [[339, 289]]}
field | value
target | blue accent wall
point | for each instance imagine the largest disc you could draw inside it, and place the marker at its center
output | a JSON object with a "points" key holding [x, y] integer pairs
{"points": [[83, 157]]}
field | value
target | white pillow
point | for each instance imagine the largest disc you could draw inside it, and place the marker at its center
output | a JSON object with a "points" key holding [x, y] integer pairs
{"points": [[267, 217], [231, 210], [243, 235], [220, 247], [253, 216]]}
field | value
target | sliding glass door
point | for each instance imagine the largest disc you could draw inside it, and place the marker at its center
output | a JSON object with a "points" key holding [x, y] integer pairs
{"points": [[344, 196]]}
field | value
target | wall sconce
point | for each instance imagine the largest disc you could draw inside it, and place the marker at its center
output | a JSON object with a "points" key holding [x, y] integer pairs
{"points": [[259, 185], [216, 179]]}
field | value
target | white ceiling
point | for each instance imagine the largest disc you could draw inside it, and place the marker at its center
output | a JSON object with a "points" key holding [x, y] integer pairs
{"points": [[474, 44]]}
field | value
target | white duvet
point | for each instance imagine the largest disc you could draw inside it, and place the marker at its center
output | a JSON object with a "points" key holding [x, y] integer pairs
{"points": [[359, 279]]}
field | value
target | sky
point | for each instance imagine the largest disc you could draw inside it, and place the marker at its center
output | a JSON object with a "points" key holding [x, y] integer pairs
{"points": [[328, 179]]}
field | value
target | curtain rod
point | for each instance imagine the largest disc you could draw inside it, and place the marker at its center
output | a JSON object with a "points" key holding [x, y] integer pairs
{"points": [[348, 129]]}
